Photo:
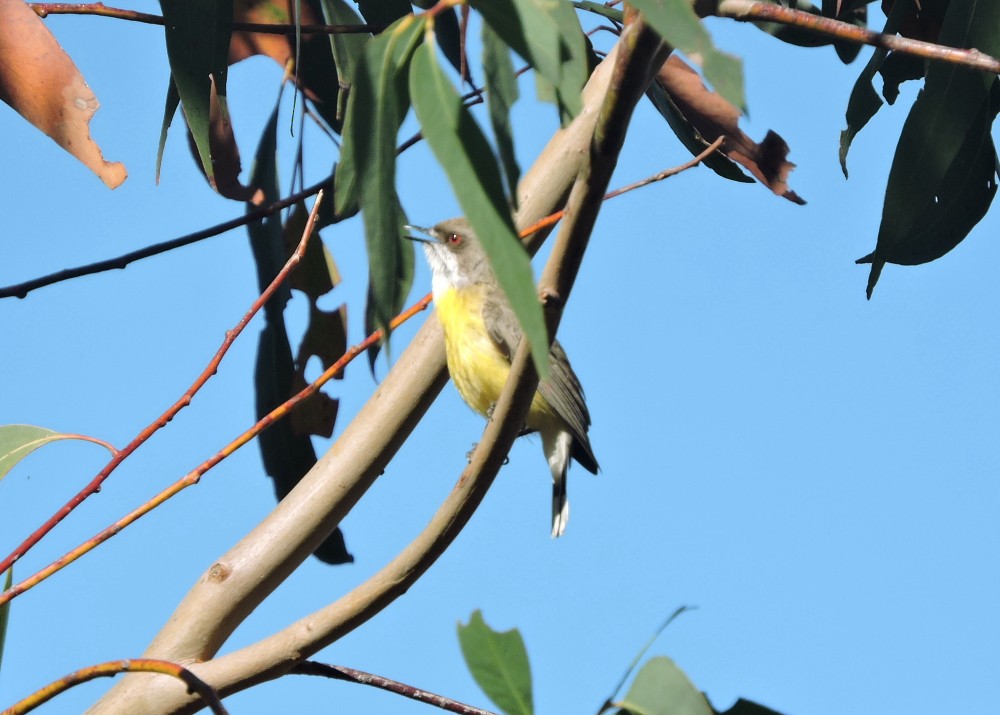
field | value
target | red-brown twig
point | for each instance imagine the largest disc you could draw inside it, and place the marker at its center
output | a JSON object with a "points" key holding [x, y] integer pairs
{"points": [[20, 290], [553, 218], [339, 672], [112, 668], [171, 412], [44, 9], [755, 11]]}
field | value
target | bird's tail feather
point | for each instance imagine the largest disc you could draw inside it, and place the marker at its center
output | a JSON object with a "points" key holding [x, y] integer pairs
{"points": [[557, 447]]}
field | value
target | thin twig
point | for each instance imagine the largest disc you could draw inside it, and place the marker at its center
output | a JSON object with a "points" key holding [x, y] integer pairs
{"points": [[44, 9], [112, 668], [20, 290], [339, 672], [206, 374], [193, 477], [755, 11]]}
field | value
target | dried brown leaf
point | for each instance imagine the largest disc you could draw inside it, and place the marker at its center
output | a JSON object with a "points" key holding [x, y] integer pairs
{"points": [[40, 81], [713, 117]]}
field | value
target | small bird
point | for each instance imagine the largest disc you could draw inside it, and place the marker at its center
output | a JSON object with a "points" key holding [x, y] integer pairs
{"points": [[481, 336]]}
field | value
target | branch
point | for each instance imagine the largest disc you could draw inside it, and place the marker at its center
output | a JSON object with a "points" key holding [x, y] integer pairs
{"points": [[755, 10], [20, 290], [242, 578], [44, 9], [351, 675]]}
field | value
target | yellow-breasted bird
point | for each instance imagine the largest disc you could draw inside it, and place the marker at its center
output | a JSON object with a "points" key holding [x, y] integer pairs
{"points": [[481, 336]]}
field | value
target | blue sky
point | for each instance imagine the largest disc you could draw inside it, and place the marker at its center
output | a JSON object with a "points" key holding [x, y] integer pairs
{"points": [[813, 471]]}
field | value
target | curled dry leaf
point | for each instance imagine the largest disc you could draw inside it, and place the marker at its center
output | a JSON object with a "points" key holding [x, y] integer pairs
{"points": [[713, 117], [39, 80]]}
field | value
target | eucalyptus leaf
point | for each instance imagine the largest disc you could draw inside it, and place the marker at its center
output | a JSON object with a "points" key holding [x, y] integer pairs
{"points": [[498, 662]]}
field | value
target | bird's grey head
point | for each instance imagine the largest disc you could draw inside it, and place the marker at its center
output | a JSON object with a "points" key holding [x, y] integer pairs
{"points": [[456, 256]]}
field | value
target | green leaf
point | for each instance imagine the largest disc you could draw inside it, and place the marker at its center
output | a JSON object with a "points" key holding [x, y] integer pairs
{"points": [[197, 36], [501, 94], [347, 48], [864, 101], [938, 187], [18, 441], [677, 22], [367, 170], [649, 644], [661, 688], [499, 663], [169, 110], [5, 612], [546, 34], [463, 152]]}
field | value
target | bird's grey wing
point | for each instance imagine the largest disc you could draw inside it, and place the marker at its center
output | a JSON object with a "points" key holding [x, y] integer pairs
{"points": [[502, 325], [561, 389]]}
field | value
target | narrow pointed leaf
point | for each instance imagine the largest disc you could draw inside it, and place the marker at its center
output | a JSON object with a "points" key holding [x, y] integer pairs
{"points": [[864, 101], [661, 688], [547, 35], [347, 48], [463, 152], [367, 170], [498, 662], [677, 22], [939, 157], [197, 36], [501, 94]]}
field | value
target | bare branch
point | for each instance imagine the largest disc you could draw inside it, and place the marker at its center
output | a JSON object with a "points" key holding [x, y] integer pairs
{"points": [[755, 11], [351, 675]]}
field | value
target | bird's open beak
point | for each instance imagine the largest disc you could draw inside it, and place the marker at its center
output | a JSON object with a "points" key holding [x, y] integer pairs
{"points": [[419, 229]]}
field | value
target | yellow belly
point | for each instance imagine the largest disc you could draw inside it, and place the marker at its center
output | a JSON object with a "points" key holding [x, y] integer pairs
{"points": [[478, 369]]}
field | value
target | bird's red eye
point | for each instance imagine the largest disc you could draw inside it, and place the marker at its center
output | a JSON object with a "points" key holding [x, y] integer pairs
{"points": [[454, 238]]}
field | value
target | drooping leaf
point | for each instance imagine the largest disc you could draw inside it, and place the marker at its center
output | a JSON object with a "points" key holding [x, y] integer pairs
{"points": [[448, 32], [548, 36], [18, 441], [346, 47], [938, 187], [197, 36], [169, 110], [463, 152], [367, 169], [864, 101], [501, 94], [661, 688], [898, 68], [498, 662], [677, 22], [39, 81]]}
